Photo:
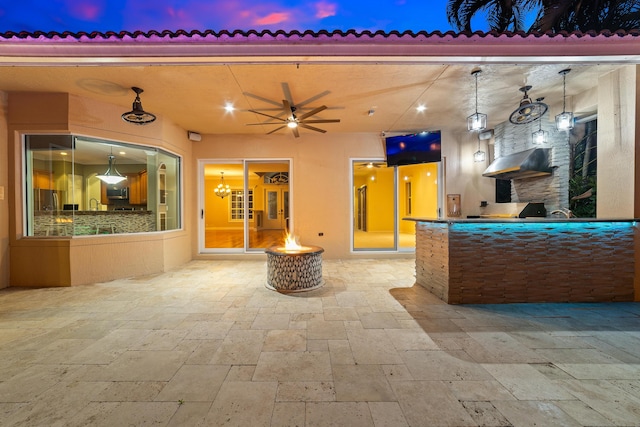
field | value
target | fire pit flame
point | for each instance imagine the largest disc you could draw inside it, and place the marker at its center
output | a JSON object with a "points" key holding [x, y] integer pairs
{"points": [[291, 243]]}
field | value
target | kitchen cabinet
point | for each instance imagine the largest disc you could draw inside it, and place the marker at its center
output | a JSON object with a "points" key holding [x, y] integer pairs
{"points": [[138, 188], [42, 180], [135, 182], [143, 187]]}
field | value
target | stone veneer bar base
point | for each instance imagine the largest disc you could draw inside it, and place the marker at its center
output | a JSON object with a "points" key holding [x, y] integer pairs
{"points": [[465, 262]]}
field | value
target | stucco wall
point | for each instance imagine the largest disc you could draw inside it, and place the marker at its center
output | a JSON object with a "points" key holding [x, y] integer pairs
{"points": [[75, 261], [320, 171], [617, 107], [463, 175]]}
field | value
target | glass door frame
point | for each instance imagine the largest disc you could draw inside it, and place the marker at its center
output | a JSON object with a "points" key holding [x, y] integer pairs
{"points": [[441, 166], [245, 162]]}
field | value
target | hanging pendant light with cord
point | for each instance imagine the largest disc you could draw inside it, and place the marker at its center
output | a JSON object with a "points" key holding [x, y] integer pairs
{"points": [[111, 176], [477, 121], [540, 136], [137, 115], [222, 190], [479, 156], [564, 120]]}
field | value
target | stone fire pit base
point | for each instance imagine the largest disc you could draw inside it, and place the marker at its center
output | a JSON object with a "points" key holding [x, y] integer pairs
{"points": [[294, 270]]}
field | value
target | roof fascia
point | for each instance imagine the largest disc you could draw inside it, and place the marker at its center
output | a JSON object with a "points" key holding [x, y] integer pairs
{"points": [[184, 49]]}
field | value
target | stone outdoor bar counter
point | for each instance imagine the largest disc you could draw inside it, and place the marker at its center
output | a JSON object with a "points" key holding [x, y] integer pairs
{"points": [[470, 261]]}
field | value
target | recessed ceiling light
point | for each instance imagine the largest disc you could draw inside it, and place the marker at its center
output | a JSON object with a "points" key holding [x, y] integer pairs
{"points": [[229, 107], [420, 108], [122, 153], [62, 153]]}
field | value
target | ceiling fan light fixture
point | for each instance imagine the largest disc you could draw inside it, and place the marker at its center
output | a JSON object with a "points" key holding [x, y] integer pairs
{"points": [[528, 111], [564, 120], [292, 124], [477, 121], [137, 115]]}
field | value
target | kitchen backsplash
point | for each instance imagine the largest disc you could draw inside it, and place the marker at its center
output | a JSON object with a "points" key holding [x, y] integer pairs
{"points": [[552, 190]]}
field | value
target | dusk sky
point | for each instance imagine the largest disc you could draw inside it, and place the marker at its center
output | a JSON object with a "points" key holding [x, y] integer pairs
{"points": [[217, 15]]}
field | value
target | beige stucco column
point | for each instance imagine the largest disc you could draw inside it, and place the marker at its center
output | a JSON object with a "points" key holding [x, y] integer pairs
{"points": [[618, 155]]}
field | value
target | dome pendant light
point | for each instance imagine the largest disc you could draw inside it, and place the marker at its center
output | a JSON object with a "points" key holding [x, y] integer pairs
{"points": [[111, 176], [564, 120], [137, 115], [477, 121]]}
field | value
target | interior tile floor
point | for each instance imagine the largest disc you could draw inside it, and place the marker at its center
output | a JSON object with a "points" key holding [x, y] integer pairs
{"points": [[208, 345]]}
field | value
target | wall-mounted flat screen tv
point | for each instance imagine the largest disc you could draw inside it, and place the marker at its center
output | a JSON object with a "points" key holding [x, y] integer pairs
{"points": [[423, 147]]}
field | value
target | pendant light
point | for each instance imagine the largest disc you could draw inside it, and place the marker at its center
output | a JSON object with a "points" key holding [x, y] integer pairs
{"points": [[222, 190], [479, 156], [111, 176], [564, 120], [477, 121], [540, 136], [137, 115]]}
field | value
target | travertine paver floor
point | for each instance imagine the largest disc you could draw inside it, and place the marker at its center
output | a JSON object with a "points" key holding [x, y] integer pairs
{"points": [[208, 344]]}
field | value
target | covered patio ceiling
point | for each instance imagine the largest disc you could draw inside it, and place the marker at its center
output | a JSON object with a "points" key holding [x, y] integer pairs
{"points": [[190, 81]]}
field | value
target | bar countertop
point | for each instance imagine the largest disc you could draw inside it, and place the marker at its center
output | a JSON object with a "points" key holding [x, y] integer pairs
{"points": [[517, 220]]}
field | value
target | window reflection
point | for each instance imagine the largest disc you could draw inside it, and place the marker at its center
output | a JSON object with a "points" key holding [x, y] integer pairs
{"points": [[65, 197]]}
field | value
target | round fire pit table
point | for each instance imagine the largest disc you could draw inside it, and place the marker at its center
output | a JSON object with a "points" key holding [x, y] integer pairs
{"points": [[294, 270]]}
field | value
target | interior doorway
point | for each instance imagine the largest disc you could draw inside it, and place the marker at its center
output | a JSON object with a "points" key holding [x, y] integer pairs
{"points": [[276, 216]]}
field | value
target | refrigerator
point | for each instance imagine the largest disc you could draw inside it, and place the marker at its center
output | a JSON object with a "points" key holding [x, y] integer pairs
{"points": [[46, 200]]}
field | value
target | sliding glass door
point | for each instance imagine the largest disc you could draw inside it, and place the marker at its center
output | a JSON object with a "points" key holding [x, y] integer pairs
{"points": [[245, 205], [382, 196]]}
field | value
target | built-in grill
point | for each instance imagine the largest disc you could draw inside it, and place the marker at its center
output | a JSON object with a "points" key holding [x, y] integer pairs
{"points": [[513, 210]]}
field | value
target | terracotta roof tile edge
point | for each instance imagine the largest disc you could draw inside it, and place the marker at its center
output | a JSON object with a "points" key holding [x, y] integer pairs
{"points": [[295, 34]]}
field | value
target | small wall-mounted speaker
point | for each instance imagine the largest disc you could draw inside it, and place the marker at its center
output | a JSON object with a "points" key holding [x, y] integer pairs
{"points": [[194, 136]]}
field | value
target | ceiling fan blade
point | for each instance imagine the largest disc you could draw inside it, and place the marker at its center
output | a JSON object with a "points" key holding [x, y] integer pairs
{"points": [[321, 121], [295, 132], [286, 105], [312, 112], [311, 128], [276, 129], [267, 115], [265, 123]]}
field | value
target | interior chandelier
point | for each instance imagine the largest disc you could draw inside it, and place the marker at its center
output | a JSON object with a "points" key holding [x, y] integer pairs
{"points": [[528, 111], [111, 176], [477, 121], [137, 115], [564, 120], [222, 190]]}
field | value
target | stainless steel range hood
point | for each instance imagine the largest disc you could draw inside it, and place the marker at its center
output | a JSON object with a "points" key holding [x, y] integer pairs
{"points": [[525, 164]]}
